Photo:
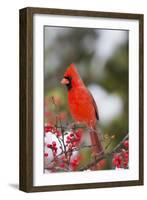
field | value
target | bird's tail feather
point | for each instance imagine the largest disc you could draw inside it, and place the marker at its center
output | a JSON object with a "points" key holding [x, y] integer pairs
{"points": [[96, 143]]}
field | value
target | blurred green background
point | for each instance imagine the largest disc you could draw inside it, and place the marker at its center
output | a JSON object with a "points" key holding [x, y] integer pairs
{"points": [[101, 57]]}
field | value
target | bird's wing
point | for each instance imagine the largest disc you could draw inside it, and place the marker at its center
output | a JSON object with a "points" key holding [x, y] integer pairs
{"points": [[95, 106]]}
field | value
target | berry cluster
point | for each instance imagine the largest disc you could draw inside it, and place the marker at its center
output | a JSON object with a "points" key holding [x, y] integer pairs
{"points": [[74, 138], [64, 148], [121, 159], [52, 129], [53, 147]]}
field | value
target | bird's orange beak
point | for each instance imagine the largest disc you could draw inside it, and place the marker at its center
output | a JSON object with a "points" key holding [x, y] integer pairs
{"points": [[64, 81]]}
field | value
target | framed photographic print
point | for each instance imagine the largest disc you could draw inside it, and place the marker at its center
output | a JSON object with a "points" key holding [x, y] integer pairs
{"points": [[81, 99]]}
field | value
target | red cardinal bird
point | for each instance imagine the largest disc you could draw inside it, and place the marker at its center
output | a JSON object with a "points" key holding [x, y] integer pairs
{"points": [[82, 105]]}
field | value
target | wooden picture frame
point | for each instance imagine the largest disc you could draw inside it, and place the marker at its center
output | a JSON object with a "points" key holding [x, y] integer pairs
{"points": [[26, 98]]}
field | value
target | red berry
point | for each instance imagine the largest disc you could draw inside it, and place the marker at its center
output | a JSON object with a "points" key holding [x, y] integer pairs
{"points": [[126, 144], [71, 135], [67, 141], [58, 133], [54, 144], [74, 144], [126, 156], [75, 162], [45, 154], [68, 138], [117, 160], [48, 128], [55, 149], [62, 165], [49, 146]]}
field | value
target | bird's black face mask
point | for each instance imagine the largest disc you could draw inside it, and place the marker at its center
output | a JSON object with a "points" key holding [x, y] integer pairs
{"points": [[69, 84]]}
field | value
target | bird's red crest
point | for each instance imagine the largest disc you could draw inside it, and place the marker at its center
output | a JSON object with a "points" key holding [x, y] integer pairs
{"points": [[71, 70]]}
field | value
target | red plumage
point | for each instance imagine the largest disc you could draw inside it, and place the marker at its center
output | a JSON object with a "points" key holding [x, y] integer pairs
{"points": [[82, 105]]}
